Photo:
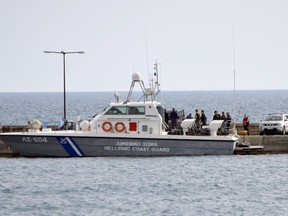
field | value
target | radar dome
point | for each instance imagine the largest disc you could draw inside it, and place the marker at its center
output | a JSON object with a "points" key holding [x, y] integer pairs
{"points": [[135, 77]]}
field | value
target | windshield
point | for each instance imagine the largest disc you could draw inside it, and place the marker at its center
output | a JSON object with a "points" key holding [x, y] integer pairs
{"points": [[273, 118], [117, 110]]}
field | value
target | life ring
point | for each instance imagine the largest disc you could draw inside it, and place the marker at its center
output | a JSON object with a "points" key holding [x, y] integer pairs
{"points": [[107, 126], [120, 127]]}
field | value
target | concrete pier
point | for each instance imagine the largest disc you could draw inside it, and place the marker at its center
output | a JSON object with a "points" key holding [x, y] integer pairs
{"points": [[5, 150], [272, 144]]}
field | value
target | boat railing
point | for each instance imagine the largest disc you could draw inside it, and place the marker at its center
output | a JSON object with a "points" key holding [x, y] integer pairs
{"points": [[222, 129], [165, 125]]}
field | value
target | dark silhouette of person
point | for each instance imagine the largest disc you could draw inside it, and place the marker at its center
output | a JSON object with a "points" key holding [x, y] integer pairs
{"points": [[203, 118], [174, 117]]}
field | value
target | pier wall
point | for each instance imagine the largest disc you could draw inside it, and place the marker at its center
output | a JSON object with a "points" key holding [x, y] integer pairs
{"points": [[253, 128], [272, 144]]}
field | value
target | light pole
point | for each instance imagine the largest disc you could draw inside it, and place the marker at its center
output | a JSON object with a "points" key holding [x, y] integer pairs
{"points": [[64, 79]]}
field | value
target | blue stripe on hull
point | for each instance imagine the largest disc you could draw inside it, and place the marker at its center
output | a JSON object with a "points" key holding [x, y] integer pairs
{"points": [[70, 146]]}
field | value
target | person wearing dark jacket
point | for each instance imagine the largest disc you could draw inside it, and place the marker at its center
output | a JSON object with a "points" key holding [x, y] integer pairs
{"points": [[189, 116], [216, 116], [174, 117], [203, 118], [229, 119]]}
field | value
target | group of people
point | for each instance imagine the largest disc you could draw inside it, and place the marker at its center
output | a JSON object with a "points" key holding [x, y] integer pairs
{"points": [[226, 117], [227, 120], [201, 119]]}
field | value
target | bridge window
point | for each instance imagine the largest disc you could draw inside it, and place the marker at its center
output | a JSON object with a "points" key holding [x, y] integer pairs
{"points": [[117, 110], [136, 110]]}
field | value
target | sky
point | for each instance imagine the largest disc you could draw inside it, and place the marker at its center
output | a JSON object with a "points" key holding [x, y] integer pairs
{"points": [[197, 43]]}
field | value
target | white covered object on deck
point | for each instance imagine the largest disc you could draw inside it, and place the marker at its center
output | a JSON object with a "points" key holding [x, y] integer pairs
{"points": [[214, 125], [186, 124]]}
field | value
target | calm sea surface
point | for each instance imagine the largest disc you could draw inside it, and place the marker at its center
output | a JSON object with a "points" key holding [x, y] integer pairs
{"points": [[214, 185], [208, 185], [18, 108]]}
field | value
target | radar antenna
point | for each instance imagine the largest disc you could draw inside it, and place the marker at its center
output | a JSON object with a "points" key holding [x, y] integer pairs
{"points": [[152, 92]]}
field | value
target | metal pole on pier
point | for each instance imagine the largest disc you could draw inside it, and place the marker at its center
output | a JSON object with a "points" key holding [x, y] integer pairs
{"points": [[64, 76]]}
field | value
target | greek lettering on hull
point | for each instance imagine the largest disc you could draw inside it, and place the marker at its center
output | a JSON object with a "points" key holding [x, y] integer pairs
{"points": [[144, 144]]}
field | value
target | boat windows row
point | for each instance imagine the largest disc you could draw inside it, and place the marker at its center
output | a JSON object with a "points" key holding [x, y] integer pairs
{"points": [[124, 110]]}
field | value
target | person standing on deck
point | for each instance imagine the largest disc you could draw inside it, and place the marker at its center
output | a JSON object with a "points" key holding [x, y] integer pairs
{"points": [[223, 116], [174, 117], [246, 124], [229, 119], [197, 119], [224, 124], [189, 116], [203, 118], [216, 116]]}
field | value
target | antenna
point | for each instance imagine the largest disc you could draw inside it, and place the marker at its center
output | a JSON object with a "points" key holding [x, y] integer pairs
{"points": [[234, 70], [147, 56], [233, 55], [156, 87], [147, 92]]}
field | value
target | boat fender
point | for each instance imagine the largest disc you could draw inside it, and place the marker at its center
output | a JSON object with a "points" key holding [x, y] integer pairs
{"points": [[35, 124], [120, 127], [107, 126], [84, 125]]}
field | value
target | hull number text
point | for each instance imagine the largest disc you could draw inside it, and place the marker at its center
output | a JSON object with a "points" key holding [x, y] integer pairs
{"points": [[34, 139]]}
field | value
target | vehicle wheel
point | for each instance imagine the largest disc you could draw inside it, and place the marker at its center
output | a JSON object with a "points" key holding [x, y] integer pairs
{"points": [[261, 133]]}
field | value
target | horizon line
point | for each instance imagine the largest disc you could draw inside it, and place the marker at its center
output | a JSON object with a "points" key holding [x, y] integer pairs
{"points": [[140, 91]]}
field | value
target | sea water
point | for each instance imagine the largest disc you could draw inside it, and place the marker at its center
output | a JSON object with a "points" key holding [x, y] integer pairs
{"points": [[203, 185], [18, 108], [208, 185]]}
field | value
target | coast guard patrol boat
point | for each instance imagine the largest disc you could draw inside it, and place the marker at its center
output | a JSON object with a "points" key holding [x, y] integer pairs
{"points": [[123, 128]]}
